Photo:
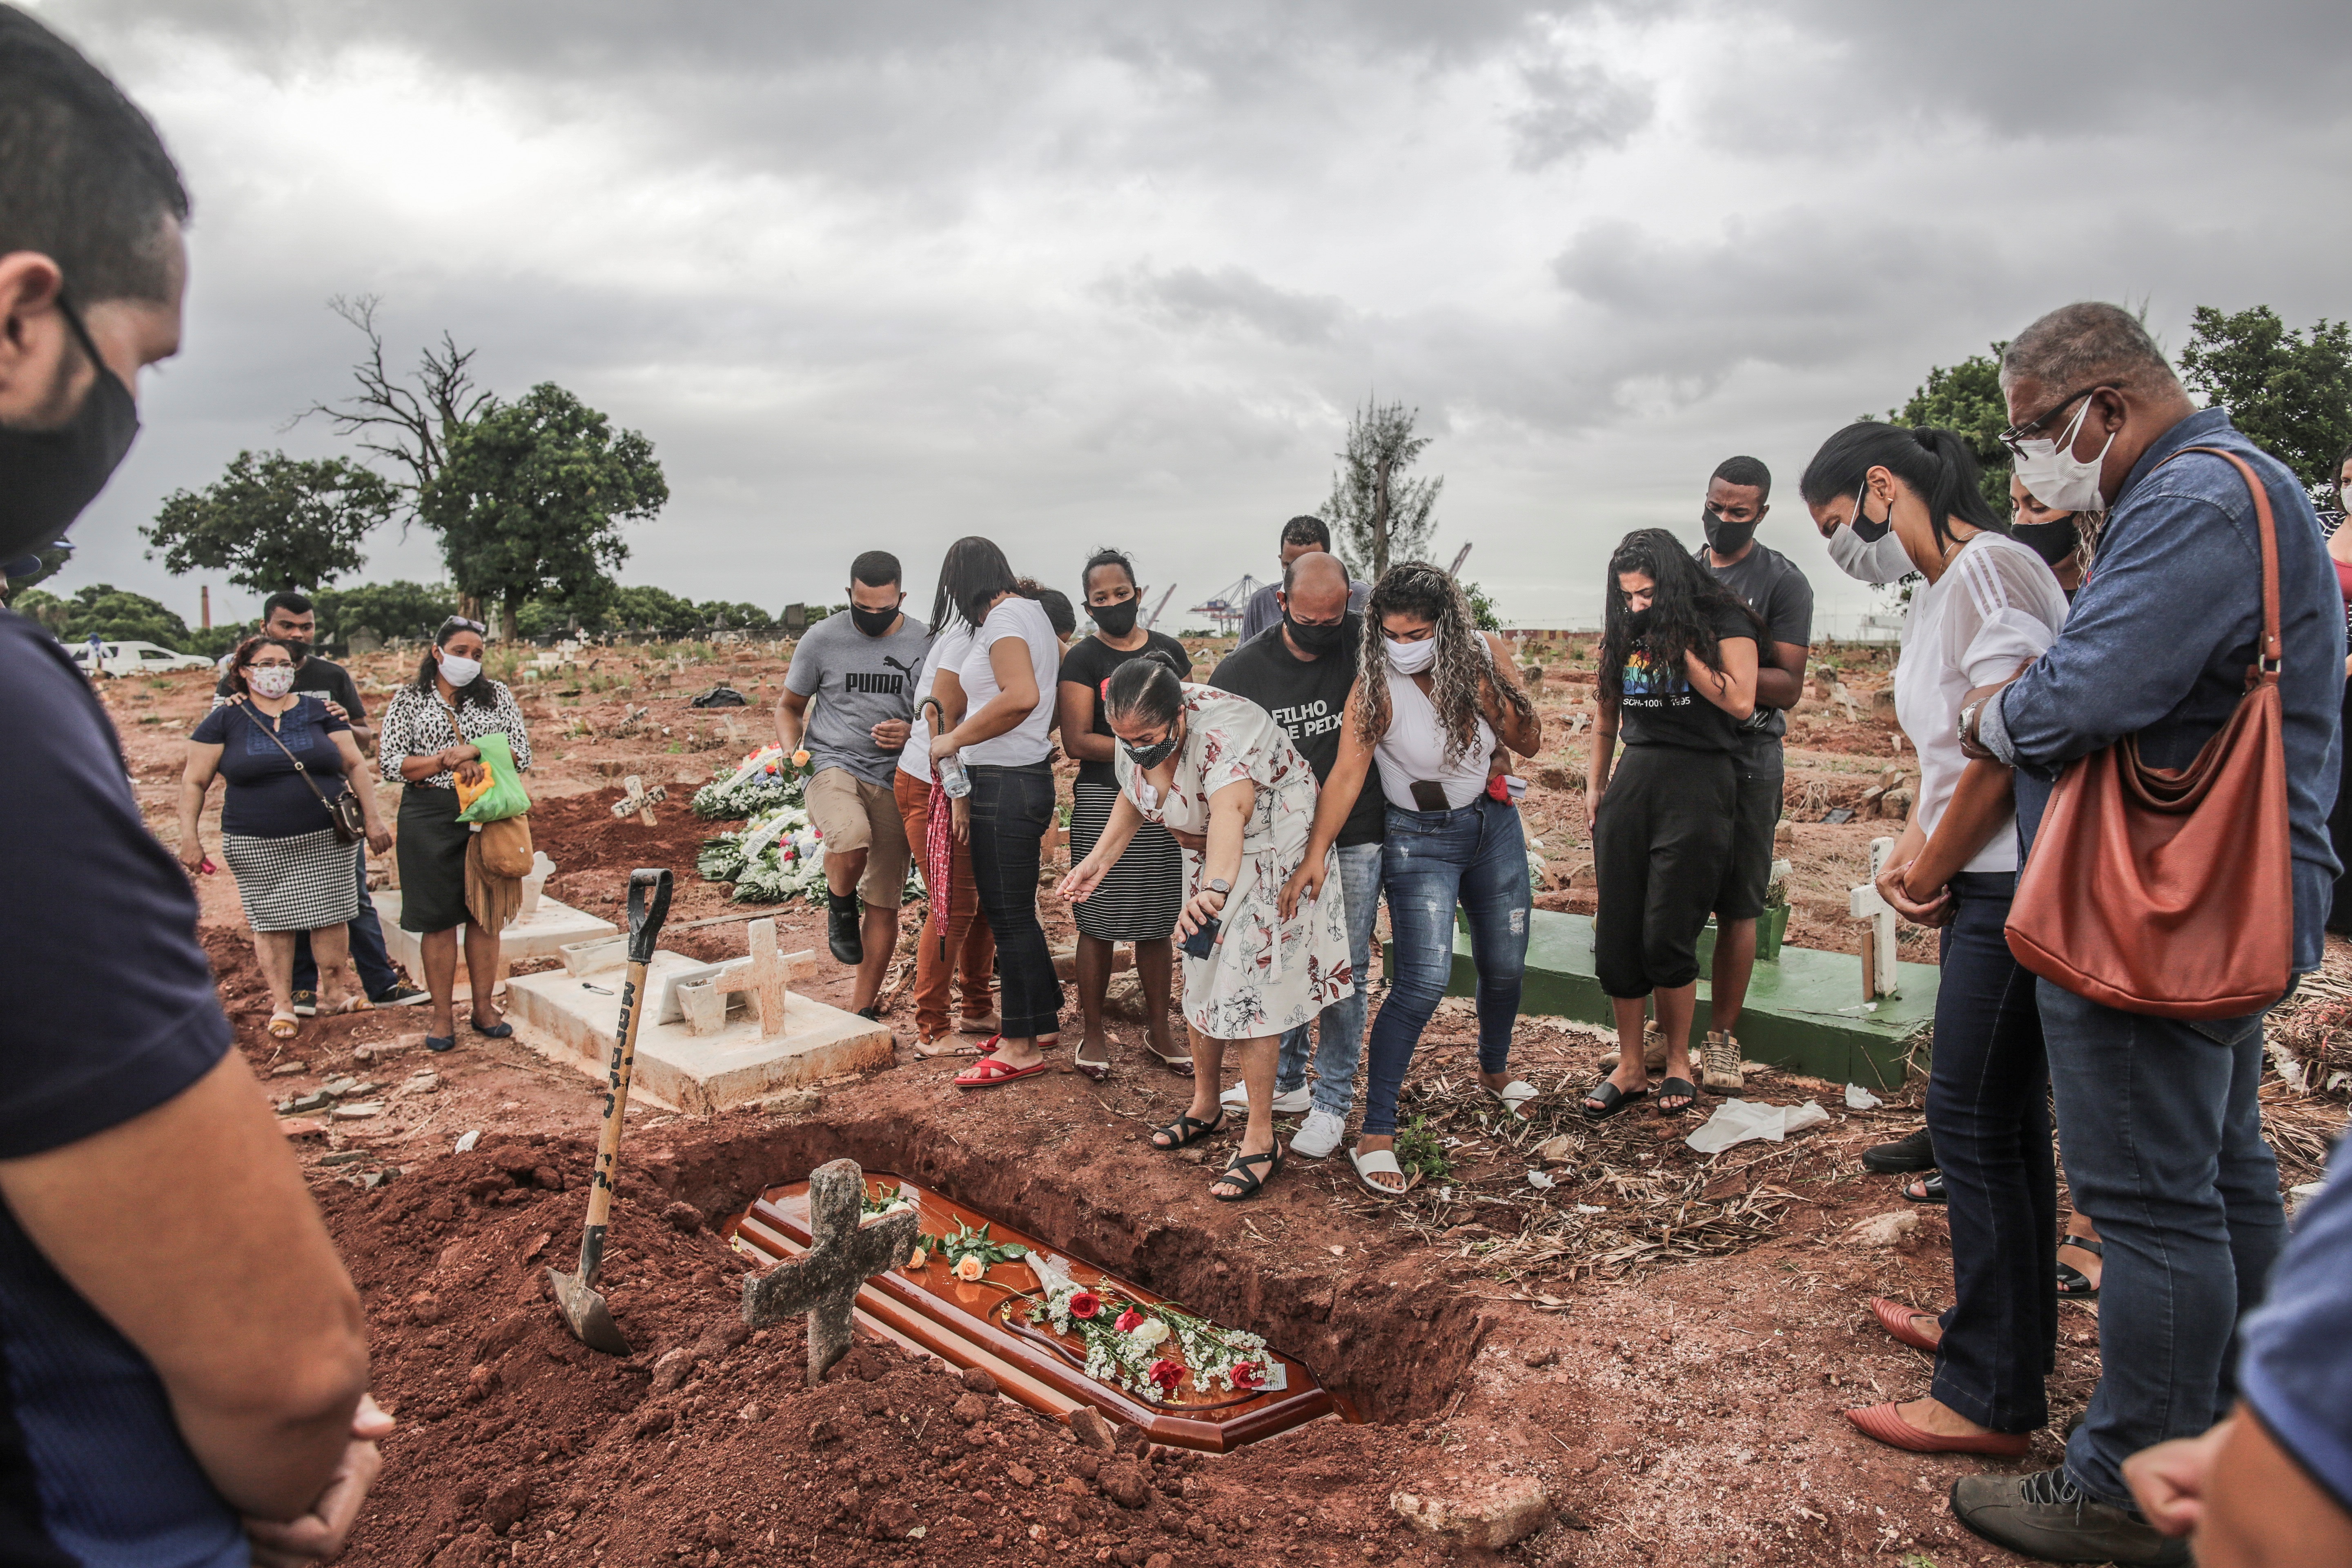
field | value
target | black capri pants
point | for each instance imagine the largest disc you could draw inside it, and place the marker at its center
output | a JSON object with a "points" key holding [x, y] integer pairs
{"points": [[1660, 845]]}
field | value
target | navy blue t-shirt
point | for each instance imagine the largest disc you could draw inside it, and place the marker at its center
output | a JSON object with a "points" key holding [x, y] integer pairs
{"points": [[2296, 1371], [110, 1013], [267, 797]]}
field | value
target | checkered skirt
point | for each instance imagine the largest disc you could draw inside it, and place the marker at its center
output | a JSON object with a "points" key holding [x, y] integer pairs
{"points": [[294, 884]]}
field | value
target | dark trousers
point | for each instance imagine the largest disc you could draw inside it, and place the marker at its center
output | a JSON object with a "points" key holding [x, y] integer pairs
{"points": [[1432, 863], [1988, 1093], [1660, 847], [1010, 809], [2162, 1134], [368, 956]]}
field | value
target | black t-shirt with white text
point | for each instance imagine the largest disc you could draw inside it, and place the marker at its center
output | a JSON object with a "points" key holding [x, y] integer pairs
{"points": [[1308, 698], [1659, 707], [1089, 663]]}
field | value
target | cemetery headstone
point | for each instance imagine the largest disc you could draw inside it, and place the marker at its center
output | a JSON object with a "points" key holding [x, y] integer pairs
{"points": [[843, 1253]]}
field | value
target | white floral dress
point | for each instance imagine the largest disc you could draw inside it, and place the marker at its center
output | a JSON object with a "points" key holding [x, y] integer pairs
{"points": [[1265, 974]]}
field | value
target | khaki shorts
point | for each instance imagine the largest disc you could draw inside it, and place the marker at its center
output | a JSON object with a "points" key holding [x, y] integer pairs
{"points": [[851, 815]]}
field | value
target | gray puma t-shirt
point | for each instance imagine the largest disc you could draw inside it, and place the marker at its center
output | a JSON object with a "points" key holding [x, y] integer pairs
{"points": [[853, 683]]}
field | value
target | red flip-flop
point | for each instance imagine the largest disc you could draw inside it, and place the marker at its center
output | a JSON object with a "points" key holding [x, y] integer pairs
{"points": [[988, 1073]]}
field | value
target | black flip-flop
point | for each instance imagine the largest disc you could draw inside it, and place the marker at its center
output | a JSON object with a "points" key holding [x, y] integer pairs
{"points": [[1931, 1191], [1253, 1183], [500, 1031], [1612, 1099], [2074, 1285], [438, 1043], [1688, 1090], [1186, 1131]]}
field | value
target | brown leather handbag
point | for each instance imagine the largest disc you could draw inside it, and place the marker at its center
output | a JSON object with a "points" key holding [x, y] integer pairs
{"points": [[2171, 892]]}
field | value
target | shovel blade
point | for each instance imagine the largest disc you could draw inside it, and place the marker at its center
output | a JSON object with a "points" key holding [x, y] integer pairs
{"points": [[584, 1310]]}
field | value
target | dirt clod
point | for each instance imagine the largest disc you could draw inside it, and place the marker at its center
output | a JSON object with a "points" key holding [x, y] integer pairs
{"points": [[971, 1409], [1091, 1429], [506, 1503], [683, 1218], [978, 1380], [1125, 1482]]}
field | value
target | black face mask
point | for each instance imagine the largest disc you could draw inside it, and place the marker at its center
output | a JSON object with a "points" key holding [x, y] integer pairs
{"points": [[1114, 620], [47, 477], [1637, 622], [1317, 640], [1150, 757], [873, 623], [1723, 537], [1869, 532], [2053, 541]]}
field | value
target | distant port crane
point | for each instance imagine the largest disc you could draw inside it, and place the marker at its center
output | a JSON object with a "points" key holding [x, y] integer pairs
{"points": [[1229, 603]]}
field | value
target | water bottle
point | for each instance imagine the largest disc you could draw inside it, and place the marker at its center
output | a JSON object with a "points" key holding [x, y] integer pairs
{"points": [[952, 778]]}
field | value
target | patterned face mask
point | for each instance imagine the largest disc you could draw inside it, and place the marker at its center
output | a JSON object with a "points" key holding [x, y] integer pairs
{"points": [[271, 681]]}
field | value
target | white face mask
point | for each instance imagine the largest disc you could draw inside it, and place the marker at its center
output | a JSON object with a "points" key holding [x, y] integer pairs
{"points": [[272, 681], [460, 670], [2059, 479], [1411, 657], [1879, 560]]}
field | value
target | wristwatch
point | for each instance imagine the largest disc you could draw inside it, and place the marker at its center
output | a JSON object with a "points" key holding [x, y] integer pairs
{"points": [[1965, 731], [1220, 886]]}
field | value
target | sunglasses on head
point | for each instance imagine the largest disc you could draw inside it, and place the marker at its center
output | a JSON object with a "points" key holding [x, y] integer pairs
{"points": [[461, 624]]}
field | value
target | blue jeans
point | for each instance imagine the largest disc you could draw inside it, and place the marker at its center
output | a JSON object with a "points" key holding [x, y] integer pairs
{"points": [[1432, 862], [1342, 1023], [377, 976], [2162, 1136], [1010, 809], [1987, 1097]]}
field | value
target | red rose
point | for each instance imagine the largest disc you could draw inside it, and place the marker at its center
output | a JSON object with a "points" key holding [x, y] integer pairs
{"points": [[1129, 1320], [1249, 1375], [1085, 1304], [1167, 1374]]}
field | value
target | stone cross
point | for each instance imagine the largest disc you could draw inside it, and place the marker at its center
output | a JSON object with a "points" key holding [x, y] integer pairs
{"points": [[843, 1255], [766, 978], [1878, 971], [636, 798]]}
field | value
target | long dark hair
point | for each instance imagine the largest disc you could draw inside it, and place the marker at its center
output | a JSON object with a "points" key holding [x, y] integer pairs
{"points": [[253, 645], [1684, 603], [973, 573], [1935, 462], [477, 690], [1464, 661]]}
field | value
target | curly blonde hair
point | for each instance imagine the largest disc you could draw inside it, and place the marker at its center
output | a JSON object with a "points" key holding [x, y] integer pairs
{"points": [[1464, 661]]}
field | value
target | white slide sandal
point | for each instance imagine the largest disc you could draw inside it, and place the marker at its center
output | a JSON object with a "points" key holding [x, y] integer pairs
{"points": [[1381, 1163], [1515, 1095]]}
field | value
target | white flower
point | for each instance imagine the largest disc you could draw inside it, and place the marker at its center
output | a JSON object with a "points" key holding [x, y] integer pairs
{"points": [[1149, 1333]]}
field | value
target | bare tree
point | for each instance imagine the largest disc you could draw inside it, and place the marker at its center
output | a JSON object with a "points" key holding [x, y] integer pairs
{"points": [[1377, 516]]}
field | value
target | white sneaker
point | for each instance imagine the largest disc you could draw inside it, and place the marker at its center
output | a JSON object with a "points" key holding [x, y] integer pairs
{"points": [[1318, 1135], [1289, 1104]]}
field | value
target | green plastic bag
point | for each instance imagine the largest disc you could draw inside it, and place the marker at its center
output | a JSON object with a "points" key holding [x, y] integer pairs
{"points": [[505, 796]]}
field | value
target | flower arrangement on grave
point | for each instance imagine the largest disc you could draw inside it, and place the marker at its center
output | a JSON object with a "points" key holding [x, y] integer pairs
{"points": [[1125, 1343], [775, 858], [766, 778], [970, 1254]]}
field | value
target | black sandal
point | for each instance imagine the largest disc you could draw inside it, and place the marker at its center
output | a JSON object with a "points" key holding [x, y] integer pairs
{"points": [[1612, 1099], [1931, 1189], [2074, 1285], [1669, 1089], [1251, 1184], [1186, 1131]]}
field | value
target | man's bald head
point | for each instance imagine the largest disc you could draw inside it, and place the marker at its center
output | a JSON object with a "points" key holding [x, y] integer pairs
{"points": [[1315, 587]]}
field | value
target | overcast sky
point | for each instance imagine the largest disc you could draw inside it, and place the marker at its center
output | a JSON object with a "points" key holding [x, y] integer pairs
{"points": [[1069, 274]]}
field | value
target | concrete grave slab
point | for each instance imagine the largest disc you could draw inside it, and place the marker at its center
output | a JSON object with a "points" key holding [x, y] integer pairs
{"points": [[543, 933]]}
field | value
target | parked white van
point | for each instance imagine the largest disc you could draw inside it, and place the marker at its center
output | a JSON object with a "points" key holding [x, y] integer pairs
{"points": [[135, 658]]}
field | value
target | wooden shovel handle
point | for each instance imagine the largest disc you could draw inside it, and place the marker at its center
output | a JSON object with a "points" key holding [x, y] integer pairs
{"points": [[645, 929]]}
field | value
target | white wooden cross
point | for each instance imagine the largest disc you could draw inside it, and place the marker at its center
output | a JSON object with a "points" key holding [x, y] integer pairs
{"points": [[765, 979], [1878, 971], [636, 798]]}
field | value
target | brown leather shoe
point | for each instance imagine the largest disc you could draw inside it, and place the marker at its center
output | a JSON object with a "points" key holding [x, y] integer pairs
{"points": [[1897, 1320], [1885, 1424]]}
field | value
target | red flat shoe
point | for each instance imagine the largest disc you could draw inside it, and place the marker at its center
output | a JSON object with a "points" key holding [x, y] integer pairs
{"points": [[988, 1073], [1885, 1423], [1896, 1318]]}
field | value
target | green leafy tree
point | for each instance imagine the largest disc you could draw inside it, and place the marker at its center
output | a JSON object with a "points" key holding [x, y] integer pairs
{"points": [[401, 609], [739, 618], [1966, 398], [1377, 515], [2291, 395], [530, 498], [112, 612], [273, 522], [1481, 609], [648, 610]]}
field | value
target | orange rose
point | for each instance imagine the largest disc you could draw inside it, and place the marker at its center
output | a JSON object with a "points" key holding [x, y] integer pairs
{"points": [[969, 1267]]}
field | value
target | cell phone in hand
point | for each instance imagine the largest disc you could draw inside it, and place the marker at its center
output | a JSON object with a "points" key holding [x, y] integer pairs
{"points": [[1203, 941]]}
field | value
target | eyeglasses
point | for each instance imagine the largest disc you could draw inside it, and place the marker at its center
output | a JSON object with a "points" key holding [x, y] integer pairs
{"points": [[2015, 436], [462, 624]]}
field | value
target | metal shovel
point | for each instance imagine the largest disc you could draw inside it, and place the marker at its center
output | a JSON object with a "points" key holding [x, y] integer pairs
{"points": [[583, 1308]]}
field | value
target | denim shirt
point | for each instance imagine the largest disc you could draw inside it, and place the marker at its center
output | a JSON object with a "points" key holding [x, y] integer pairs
{"points": [[2160, 636]]}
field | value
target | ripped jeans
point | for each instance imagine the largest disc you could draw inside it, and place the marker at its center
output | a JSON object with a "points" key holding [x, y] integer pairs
{"points": [[1432, 862]]}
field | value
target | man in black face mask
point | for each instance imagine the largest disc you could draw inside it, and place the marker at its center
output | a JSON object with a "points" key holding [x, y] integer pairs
{"points": [[861, 668], [1737, 497], [1300, 670], [142, 1421]]}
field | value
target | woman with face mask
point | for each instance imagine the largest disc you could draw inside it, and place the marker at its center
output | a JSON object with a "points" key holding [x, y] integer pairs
{"points": [[1209, 765], [1990, 606], [1439, 703], [286, 757], [2063, 539], [1677, 682], [427, 744], [1138, 897]]}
